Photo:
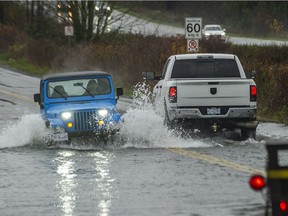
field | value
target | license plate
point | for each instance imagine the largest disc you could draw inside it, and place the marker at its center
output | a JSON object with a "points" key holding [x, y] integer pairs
{"points": [[213, 111], [60, 137]]}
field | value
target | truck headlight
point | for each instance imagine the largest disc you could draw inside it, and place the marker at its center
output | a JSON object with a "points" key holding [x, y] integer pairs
{"points": [[103, 112], [66, 115]]}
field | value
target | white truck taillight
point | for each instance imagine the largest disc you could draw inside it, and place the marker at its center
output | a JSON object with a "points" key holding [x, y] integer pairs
{"points": [[253, 93], [173, 94]]}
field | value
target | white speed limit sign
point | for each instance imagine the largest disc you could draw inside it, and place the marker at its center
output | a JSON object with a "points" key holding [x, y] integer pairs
{"points": [[193, 27]]}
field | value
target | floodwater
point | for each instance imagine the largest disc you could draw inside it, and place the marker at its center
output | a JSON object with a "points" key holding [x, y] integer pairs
{"points": [[145, 170]]}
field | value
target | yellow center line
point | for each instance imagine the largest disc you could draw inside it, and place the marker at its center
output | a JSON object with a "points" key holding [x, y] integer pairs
{"points": [[217, 161], [21, 97]]}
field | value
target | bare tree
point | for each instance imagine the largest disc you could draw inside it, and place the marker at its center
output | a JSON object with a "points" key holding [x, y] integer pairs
{"points": [[89, 18]]}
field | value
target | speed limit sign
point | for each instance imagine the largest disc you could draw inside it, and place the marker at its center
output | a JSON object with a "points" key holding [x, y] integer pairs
{"points": [[193, 27]]}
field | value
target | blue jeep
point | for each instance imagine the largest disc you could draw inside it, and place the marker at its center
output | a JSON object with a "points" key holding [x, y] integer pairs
{"points": [[79, 104]]}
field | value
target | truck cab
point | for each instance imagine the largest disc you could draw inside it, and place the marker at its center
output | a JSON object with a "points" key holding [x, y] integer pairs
{"points": [[77, 104]]}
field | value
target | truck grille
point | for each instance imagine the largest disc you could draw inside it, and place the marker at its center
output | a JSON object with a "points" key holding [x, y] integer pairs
{"points": [[85, 121]]}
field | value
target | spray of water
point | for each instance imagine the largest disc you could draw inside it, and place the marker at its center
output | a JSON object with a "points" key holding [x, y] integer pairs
{"points": [[144, 128], [28, 129]]}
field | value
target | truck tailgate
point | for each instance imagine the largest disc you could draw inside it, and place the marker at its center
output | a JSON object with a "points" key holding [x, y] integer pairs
{"points": [[213, 93]]}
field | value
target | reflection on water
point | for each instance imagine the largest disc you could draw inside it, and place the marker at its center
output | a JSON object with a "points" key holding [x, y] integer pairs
{"points": [[98, 190], [67, 183], [103, 181]]}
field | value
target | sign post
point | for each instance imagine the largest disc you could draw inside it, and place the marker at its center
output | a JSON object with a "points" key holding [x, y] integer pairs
{"points": [[69, 31], [193, 32]]}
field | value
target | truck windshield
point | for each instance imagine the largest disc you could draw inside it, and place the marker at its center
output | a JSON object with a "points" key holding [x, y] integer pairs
{"points": [[205, 68], [78, 87]]}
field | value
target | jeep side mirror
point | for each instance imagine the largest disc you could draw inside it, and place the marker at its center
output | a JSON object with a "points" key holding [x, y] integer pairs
{"points": [[150, 76], [250, 74], [37, 98], [119, 91]]}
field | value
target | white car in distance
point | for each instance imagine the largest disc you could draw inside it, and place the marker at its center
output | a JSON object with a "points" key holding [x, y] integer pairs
{"points": [[214, 31]]}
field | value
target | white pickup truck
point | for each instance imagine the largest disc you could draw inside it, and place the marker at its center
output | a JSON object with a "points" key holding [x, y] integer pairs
{"points": [[206, 91]]}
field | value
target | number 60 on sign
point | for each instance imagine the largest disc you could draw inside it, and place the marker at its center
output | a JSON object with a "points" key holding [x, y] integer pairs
{"points": [[193, 27]]}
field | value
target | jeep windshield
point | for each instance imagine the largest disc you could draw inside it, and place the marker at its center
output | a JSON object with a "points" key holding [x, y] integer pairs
{"points": [[205, 68], [78, 87]]}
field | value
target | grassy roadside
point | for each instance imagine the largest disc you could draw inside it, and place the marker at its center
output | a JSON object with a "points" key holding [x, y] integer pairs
{"points": [[22, 65]]}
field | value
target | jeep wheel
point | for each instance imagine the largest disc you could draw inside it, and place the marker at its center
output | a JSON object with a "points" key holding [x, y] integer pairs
{"points": [[248, 133]]}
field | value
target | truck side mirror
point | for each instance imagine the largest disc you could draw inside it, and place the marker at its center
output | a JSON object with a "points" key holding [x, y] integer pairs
{"points": [[150, 76], [119, 91], [250, 74], [37, 98]]}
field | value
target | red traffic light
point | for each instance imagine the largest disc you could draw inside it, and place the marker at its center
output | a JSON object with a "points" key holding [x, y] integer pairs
{"points": [[283, 206], [257, 182]]}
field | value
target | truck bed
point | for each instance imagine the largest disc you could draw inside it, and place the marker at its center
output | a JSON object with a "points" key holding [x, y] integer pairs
{"points": [[197, 93]]}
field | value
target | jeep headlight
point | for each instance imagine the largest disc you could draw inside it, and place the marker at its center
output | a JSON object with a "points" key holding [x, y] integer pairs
{"points": [[103, 112], [66, 115]]}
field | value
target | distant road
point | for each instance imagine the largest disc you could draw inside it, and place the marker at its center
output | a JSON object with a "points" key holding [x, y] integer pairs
{"points": [[140, 26], [259, 42]]}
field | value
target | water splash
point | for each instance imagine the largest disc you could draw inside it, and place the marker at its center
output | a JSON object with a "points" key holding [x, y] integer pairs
{"points": [[27, 130], [143, 127]]}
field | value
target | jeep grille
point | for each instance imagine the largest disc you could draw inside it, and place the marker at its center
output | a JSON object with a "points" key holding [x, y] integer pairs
{"points": [[85, 121]]}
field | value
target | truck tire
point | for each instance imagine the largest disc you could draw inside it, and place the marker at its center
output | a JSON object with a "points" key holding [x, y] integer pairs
{"points": [[247, 133], [167, 121]]}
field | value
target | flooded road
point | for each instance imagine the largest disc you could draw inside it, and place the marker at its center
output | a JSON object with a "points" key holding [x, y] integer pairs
{"points": [[145, 170]]}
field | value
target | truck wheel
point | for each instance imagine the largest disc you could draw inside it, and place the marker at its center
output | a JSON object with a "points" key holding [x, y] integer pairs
{"points": [[248, 133], [167, 122]]}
